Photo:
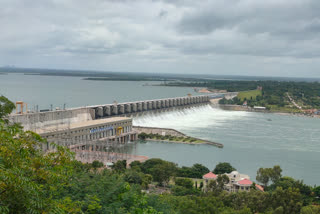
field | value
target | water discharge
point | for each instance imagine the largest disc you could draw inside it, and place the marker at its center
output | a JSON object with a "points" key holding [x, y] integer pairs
{"points": [[189, 118], [251, 140]]}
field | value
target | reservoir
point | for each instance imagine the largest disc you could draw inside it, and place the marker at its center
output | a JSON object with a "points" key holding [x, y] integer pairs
{"points": [[251, 140]]}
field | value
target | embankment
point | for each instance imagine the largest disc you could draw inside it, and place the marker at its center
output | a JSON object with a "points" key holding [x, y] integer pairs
{"points": [[172, 132]]}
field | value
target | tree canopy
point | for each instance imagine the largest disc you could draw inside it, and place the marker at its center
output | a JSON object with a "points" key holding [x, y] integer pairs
{"points": [[222, 168]]}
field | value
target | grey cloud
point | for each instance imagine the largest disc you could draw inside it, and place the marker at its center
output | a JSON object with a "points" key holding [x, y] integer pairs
{"points": [[170, 35]]}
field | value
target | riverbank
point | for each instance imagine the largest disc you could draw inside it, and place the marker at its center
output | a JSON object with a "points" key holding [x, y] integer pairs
{"points": [[171, 135], [249, 109]]}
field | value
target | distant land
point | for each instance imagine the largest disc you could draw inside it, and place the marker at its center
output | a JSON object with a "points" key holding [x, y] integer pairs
{"points": [[143, 76]]}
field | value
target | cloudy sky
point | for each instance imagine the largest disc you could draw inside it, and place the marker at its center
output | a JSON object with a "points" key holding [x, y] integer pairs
{"points": [[234, 37]]}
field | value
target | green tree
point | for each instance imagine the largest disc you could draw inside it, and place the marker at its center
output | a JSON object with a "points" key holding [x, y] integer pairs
{"points": [[316, 191], [275, 173], [184, 182], [222, 168], [264, 175], [143, 136], [6, 107], [119, 166], [198, 170], [311, 209], [290, 199], [162, 173], [97, 164], [133, 177], [135, 164], [29, 179]]}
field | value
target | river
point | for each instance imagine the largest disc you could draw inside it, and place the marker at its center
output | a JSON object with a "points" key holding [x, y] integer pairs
{"points": [[251, 140]]}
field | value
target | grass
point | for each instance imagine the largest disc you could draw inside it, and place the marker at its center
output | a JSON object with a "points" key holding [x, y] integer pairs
{"points": [[248, 94]]}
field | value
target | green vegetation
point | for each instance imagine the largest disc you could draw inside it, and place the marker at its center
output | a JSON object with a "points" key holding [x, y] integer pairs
{"points": [[222, 168], [35, 182], [264, 175], [196, 171], [273, 94], [144, 136], [249, 95]]}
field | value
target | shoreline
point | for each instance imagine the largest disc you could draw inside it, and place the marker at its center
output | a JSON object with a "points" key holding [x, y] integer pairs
{"points": [[244, 108], [183, 142], [172, 141]]}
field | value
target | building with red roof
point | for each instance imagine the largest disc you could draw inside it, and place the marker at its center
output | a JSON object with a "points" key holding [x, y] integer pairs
{"points": [[243, 185], [209, 176], [237, 182]]}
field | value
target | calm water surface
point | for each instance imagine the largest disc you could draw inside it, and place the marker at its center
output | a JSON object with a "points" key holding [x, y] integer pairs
{"points": [[75, 92], [251, 140]]}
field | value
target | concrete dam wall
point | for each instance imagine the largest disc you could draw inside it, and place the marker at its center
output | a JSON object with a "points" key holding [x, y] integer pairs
{"points": [[34, 121]]}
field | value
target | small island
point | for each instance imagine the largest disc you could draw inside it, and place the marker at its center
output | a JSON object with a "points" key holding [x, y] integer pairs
{"points": [[170, 135]]}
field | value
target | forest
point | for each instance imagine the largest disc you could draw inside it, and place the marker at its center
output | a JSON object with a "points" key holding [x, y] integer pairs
{"points": [[35, 182]]}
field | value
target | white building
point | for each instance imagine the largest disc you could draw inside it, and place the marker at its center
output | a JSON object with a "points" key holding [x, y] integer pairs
{"points": [[239, 182]]}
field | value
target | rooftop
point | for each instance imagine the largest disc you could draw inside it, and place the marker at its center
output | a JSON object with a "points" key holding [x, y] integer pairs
{"points": [[245, 182], [259, 187], [209, 175], [88, 123]]}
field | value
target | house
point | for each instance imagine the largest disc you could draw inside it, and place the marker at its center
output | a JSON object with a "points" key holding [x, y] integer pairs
{"points": [[237, 182], [240, 182], [234, 178], [209, 176]]}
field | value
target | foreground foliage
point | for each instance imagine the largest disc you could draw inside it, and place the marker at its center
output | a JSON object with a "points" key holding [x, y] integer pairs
{"points": [[35, 182]]}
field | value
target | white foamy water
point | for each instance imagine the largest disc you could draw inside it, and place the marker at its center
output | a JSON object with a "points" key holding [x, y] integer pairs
{"points": [[199, 117]]}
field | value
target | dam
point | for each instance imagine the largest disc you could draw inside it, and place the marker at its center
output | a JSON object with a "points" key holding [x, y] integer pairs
{"points": [[98, 125], [97, 132], [35, 121]]}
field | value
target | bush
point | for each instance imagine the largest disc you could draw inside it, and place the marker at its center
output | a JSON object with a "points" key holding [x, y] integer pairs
{"points": [[184, 182], [97, 164]]}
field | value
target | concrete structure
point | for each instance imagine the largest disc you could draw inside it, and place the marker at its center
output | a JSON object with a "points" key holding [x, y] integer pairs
{"points": [[99, 128], [83, 134], [33, 121]]}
